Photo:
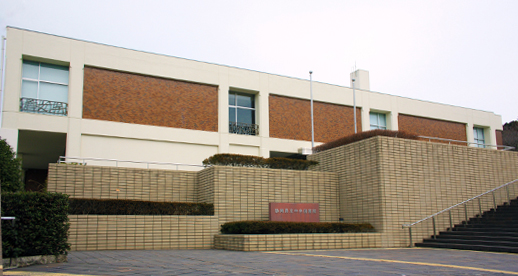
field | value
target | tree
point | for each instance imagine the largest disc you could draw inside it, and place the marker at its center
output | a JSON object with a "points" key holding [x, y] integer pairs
{"points": [[10, 169], [510, 134]]}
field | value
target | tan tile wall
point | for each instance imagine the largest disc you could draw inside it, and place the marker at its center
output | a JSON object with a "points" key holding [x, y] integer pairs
{"points": [[297, 241], [244, 193], [136, 184], [205, 185], [96, 232], [389, 182], [237, 194]]}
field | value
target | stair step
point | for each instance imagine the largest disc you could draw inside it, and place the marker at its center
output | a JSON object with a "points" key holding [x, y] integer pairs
{"points": [[473, 242], [479, 233], [470, 247], [482, 236]]}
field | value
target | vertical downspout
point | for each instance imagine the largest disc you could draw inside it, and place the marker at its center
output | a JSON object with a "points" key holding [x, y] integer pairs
{"points": [[354, 105], [312, 123], [2, 80]]}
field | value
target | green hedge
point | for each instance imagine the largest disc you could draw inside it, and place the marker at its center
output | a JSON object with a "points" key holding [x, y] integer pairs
{"points": [[281, 227], [84, 206], [10, 169], [238, 160], [41, 225], [364, 135]]}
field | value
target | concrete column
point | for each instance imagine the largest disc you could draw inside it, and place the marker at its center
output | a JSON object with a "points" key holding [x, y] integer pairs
{"points": [[469, 132], [75, 100], [223, 111], [262, 112]]}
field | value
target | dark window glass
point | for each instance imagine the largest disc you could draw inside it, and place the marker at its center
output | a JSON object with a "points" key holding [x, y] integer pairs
{"points": [[245, 116], [231, 114], [245, 101]]}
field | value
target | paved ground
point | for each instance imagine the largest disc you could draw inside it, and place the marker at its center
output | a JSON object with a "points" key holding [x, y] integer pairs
{"points": [[323, 262]]}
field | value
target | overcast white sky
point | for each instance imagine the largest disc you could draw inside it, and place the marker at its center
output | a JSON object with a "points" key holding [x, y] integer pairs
{"points": [[463, 53]]}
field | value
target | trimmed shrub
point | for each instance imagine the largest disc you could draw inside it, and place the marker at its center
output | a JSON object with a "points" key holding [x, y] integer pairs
{"points": [[289, 164], [86, 206], [41, 225], [10, 169], [284, 227], [238, 160], [362, 136]]}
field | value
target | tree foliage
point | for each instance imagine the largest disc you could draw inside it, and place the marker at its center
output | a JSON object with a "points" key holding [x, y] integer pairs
{"points": [[10, 169], [510, 134]]}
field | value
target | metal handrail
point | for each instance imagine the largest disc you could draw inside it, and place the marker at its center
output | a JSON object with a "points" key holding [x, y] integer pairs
{"points": [[466, 142], [458, 204], [63, 159], [465, 201]]}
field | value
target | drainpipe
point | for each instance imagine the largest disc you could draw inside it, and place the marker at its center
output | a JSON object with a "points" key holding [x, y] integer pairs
{"points": [[354, 106], [312, 124], [2, 80]]}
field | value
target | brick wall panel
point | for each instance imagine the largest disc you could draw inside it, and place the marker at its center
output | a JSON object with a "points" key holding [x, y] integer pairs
{"points": [[290, 118], [137, 99], [431, 127]]}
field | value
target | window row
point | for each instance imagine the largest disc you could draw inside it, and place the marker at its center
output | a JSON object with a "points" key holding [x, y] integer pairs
{"points": [[45, 90]]}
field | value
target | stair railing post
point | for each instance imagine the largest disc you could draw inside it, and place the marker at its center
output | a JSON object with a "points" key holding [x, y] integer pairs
{"points": [[479, 207], [451, 223], [494, 200], [508, 196], [410, 234], [434, 232], [466, 212]]}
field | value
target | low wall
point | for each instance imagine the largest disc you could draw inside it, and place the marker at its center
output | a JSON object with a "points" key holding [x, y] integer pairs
{"points": [[80, 181], [244, 193], [98, 232], [297, 241], [390, 181]]}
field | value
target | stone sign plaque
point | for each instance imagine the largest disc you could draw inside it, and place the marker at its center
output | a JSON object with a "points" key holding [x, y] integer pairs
{"points": [[301, 212]]}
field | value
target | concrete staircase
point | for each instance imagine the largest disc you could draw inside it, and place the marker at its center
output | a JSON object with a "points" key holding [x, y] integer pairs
{"points": [[496, 230]]}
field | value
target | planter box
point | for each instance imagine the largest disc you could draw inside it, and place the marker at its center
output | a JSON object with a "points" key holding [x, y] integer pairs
{"points": [[277, 242]]}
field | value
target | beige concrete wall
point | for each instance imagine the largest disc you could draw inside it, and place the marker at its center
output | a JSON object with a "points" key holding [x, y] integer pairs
{"points": [[244, 193], [96, 232], [80, 181], [389, 182], [297, 241], [77, 54]]}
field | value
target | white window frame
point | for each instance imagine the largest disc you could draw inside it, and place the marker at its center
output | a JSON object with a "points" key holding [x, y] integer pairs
{"points": [[377, 126], [236, 107], [479, 142], [39, 80]]}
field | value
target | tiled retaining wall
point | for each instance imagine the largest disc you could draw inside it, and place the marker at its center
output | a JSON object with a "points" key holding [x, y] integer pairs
{"points": [[244, 193], [97, 232], [80, 181], [390, 181], [237, 194], [297, 241]]}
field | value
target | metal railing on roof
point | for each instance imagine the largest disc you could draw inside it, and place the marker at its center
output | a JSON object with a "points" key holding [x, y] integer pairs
{"points": [[83, 160], [464, 213], [450, 141]]}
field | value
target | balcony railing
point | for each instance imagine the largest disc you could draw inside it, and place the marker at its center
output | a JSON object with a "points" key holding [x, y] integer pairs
{"points": [[243, 128], [43, 106]]}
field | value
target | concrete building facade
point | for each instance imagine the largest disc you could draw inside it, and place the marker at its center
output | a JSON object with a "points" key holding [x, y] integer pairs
{"points": [[68, 97]]}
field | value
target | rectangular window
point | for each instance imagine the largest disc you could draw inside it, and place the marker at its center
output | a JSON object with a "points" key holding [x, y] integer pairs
{"points": [[478, 135], [44, 88], [241, 114], [378, 121]]}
